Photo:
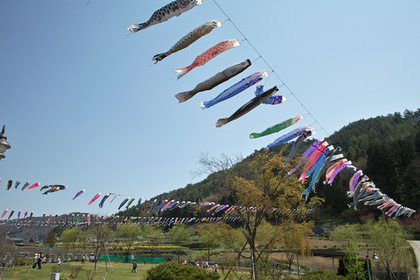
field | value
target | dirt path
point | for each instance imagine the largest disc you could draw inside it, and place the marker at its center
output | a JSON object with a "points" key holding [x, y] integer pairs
{"points": [[416, 247]]}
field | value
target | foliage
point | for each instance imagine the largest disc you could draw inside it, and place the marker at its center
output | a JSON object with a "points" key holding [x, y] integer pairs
{"points": [[174, 271], [321, 275], [349, 233], [260, 185], [50, 239], [129, 234], [388, 239], [295, 240], [384, 236], [72, 236], [180, 233], [352, 235], [386, 147], [356, 137], [213, 235]]}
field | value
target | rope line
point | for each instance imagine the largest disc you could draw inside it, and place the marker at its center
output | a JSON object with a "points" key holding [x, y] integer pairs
{"points": [[271, 69]]}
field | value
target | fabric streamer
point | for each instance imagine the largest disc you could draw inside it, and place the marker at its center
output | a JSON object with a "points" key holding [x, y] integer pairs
{"points": [[172, 9], [319, 160], [332, 169], [26, 185], [235, 89], [277, 127], [101, 204], [214, 81], [306, 155], [17, 184], [312, 159], [161, 205], [11, 214], [78, 194], [94, 198], [354, 179], [296, 146], [34, 186], [152, 206], [4, 213], [9, 185], [166, 205], [123, 202], [190, 38], [208, 55], [289, 136], [346, 165], [247, 107], [129, 202], [273, 100]]}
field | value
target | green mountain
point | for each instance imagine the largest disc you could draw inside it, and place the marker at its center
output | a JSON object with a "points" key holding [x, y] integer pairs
{"points": [[386, 148]]}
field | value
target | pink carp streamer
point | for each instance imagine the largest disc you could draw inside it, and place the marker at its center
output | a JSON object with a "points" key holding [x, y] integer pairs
{"points": [[332, 169], [208, 55], [94, 198], [312, 159], [34, 186], [4, 213]]}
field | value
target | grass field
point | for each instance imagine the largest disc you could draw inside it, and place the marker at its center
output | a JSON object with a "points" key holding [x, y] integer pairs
{"points": [[121, 271]]}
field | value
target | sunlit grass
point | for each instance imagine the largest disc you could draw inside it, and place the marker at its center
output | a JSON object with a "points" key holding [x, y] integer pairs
{"points": [[121, 271]]}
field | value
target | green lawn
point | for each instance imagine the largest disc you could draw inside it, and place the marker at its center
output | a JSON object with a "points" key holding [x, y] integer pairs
{"points": [[121, 271]]}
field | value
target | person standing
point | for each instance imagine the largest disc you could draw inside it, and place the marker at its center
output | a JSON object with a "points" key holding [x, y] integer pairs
{"points": [[134, 267], [40, 258]]}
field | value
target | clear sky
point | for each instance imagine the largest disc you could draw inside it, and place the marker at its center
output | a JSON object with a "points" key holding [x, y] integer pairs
{"points": [[84, 105]]}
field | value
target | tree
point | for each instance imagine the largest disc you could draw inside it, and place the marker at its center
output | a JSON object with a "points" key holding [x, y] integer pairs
{"points": [[72, 236], [50, 239], [263, 185], [213, 235], [152, 234], [129, 234], [270, 188], [180, 234], [7, 251], [100, 234], [388, 239], [295, 240], [352, 235]]}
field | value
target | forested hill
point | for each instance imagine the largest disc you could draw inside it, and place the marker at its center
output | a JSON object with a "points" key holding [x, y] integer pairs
{"points": [[356, 137], [386, 148]]}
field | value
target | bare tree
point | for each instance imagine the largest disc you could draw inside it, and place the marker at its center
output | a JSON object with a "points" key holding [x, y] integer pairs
{"points": [[209, 165], [100, 234]]}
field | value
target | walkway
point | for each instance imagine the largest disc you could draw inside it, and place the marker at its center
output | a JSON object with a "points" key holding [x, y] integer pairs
{"points": [[416, 247]]}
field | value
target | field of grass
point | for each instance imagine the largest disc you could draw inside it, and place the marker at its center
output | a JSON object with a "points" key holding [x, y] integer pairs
{"points": [[121, 271]]}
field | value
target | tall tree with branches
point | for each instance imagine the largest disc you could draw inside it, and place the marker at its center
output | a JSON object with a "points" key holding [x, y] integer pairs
{"points": [[100, 234], [268, 196], [129, 234]]}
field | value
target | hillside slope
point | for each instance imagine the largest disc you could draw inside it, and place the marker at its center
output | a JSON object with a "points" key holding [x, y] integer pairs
{"points": [[387, 148]]}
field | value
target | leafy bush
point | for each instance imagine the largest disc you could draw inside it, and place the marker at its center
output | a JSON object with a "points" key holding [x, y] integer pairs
{"points": [[321, 275], [174, 271]]}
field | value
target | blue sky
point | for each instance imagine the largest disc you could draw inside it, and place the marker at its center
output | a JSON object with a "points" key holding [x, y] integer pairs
{"points": [[84, 105]]}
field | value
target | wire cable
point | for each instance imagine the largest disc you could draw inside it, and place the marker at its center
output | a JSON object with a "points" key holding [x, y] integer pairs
{"points": [[271, 69]]}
